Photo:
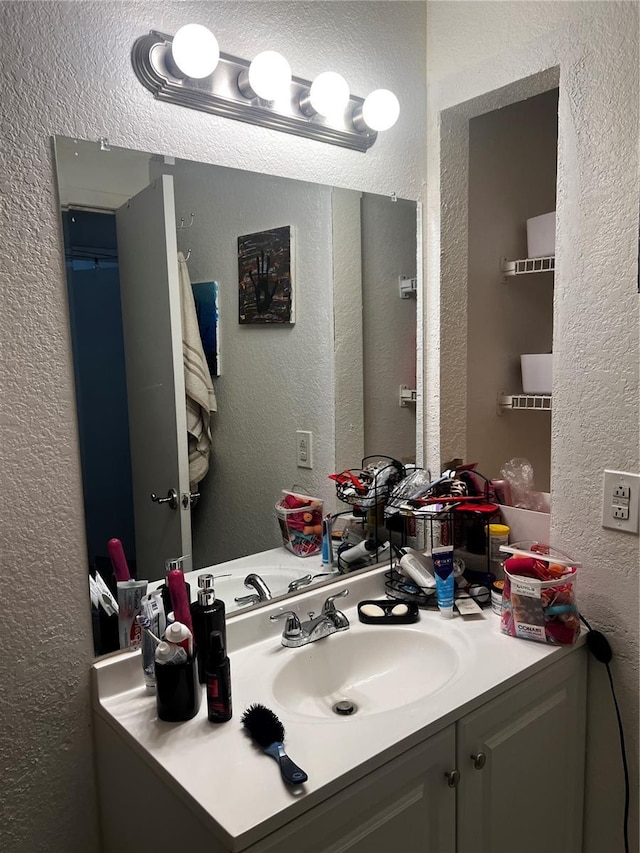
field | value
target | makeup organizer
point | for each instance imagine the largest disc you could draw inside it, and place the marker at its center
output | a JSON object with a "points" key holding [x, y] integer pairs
{"points": [[458, 513], [367, 489]]}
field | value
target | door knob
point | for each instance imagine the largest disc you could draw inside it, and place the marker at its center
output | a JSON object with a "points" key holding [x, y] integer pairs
{"points": [[190, 499], [171, 499], [479, 760], [453, 777]]}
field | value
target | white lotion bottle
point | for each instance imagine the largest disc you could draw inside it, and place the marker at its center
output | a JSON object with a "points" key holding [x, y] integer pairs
{"points": [[419, 567]]}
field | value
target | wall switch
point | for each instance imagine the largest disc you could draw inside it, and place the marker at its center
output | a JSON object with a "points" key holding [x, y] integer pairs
{"points": [[304, 448], [620, 501]]}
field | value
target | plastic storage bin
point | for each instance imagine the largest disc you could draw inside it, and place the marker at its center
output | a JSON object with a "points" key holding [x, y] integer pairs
{"points": [[541, 236], [537, 373], [300, 525]]}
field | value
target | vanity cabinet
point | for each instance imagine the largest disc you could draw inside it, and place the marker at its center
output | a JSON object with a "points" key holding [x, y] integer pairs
{"points": [[517, 761], [405, 807], [521, 763]]}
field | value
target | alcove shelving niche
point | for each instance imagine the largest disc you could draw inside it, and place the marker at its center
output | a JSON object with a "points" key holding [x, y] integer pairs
{"points": [[512, 168]]}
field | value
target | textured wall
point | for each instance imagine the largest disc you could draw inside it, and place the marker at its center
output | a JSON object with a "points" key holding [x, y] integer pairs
{"points": [[595, 407], [66, 70]]}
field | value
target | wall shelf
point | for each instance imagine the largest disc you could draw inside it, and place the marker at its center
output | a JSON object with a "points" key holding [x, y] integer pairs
{"points": [[524, 402], [526, 266]]}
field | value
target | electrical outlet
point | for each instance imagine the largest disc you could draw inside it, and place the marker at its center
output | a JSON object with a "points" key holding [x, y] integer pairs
{"points": [[622, 492], [304, 448], [620, 501]]}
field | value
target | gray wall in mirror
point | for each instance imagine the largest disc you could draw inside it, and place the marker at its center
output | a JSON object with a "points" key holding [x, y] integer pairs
{"points": [[335, 372]]}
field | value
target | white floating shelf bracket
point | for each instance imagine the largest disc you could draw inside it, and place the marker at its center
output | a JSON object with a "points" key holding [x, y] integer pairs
{"points": [[408, 287], [407, 395]]}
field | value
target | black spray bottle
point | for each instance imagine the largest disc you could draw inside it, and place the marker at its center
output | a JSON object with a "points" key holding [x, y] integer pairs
{"points": [[218, 681], [207, 615]]}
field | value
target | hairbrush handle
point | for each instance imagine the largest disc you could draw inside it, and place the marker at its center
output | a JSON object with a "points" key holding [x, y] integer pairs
{"points": [[291, 773]]}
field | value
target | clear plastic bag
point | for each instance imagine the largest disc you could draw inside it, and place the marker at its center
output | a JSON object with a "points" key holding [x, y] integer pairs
{"points": [[519, 474], [539, 600]]}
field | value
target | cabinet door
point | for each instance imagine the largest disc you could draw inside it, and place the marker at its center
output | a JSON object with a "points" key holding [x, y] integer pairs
{"points": [[527, 796], [405, 807]]}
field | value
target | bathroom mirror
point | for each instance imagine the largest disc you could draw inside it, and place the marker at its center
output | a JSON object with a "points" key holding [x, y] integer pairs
{"points": [[335, 372]]}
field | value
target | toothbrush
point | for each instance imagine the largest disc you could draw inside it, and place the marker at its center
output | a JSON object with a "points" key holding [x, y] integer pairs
{"points": [[268, 732], [145, 623]]}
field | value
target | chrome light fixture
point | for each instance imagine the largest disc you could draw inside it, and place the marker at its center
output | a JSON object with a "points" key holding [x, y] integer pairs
{"points": [[188, 69]]}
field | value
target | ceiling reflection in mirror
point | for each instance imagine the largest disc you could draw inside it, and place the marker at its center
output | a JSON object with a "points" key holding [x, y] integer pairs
{"points": [[332, 372]]}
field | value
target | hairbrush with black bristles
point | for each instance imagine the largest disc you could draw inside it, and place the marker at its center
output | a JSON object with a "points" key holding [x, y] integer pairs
{"points": [[268, 732]]}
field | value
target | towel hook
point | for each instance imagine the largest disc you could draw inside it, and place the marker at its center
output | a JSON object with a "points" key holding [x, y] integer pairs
{"points": [[182, 226]]}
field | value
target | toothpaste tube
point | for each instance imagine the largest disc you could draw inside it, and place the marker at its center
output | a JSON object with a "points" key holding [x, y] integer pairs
{"points": [[153, 609], [129, 605], [327, 544], [442, 557]]}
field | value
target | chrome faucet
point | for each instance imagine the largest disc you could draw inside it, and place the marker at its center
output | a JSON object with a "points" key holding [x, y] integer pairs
{"points": [[262, 591], [329, 621]]}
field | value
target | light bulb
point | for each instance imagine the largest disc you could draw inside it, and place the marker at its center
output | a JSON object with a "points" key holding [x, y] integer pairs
{"points": [[329, 93], [380, 110], [269, 75], [195, 51]]}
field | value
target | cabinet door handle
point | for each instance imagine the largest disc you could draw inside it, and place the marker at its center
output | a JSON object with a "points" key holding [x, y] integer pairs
{"points": [[479, 760], [453, 777]]}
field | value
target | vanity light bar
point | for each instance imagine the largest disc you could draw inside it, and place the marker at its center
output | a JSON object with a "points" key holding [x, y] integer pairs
{"points": [[220, 94]]}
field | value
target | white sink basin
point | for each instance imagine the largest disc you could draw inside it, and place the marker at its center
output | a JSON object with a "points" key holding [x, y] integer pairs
{"points": [[377, 669]]}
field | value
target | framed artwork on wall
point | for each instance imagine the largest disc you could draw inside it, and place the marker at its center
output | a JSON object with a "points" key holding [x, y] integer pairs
{"points": [[205, 295], [265, 277]]}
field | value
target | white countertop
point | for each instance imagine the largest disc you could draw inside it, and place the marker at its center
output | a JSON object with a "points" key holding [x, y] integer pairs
{"points": [[236, 789]]}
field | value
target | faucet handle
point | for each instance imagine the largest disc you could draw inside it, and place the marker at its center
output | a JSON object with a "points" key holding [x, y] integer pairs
{"points": [[292, 628], [244, 600], [329, 606]]}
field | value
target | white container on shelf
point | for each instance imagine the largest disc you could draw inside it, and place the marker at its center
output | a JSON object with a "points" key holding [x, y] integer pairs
{"points": [[536, 373], [541, 236]]}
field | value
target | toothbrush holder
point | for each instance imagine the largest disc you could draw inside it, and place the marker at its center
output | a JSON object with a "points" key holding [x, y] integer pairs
{"points": [[178, 691]]}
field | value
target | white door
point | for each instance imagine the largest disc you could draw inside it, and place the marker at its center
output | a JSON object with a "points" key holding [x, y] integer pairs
{"points": [[152, 327]]}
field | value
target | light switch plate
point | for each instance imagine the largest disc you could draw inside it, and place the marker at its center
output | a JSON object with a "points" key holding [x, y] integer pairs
{"points": [[304, 448], [620, 494]]}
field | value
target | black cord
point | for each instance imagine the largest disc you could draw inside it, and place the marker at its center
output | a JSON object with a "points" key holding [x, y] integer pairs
{"points": [[599, 646]]}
